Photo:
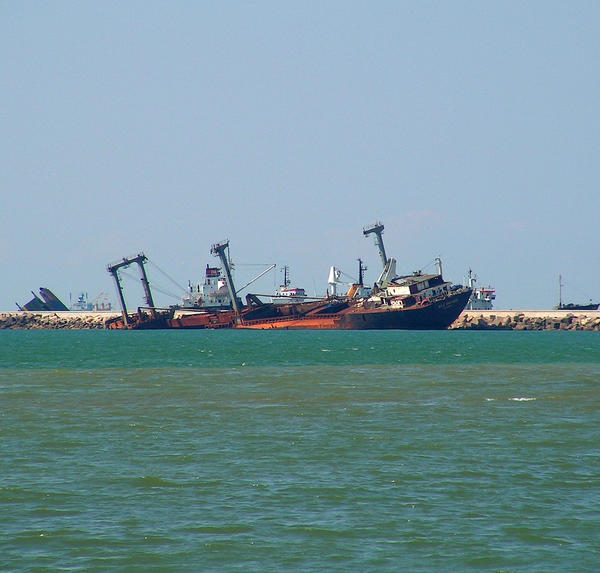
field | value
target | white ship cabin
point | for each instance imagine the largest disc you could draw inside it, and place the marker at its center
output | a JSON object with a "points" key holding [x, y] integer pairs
{"points": [[430, 285], [288, 295], [213, 293], [411, 290], [482, 299]]}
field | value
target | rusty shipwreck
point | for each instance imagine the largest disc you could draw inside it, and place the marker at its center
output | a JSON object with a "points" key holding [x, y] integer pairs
{"points": [[415, 301]]}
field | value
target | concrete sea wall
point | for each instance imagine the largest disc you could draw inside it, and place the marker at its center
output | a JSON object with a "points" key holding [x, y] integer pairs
{"points": [[468, 320]]}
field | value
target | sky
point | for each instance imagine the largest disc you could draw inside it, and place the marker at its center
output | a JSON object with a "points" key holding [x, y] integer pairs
{"points": [[470, 129]]}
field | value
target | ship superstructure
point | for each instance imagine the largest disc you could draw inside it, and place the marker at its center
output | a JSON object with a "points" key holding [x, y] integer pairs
{"points": [[286, 293], [211, 294], [404, 291], [356, 288], [482, 298]]}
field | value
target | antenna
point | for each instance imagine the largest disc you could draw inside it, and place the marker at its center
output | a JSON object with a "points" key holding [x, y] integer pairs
{"points": [[286, 279], [560, 285], [361, 269]]}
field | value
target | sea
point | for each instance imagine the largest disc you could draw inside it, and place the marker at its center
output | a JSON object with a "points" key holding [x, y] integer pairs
{"points": [[302, 451]]}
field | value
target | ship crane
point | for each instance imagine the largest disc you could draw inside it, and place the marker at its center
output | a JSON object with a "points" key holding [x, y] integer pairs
{"points": [[140, 259], [218, 250], [377, 230], [389, 265], [333, 280], [355, 287]]}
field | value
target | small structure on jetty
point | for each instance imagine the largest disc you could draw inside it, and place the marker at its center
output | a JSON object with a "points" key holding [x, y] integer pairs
{"points": [[570, 305]]}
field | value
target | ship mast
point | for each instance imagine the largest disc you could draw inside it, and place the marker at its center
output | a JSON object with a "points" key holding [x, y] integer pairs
{"points": [[219, 250], [471, 280], [361, 270], [286, 280]]}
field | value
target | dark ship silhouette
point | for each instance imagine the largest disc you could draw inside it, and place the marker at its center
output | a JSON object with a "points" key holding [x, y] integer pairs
{"points": [[48, 302]]}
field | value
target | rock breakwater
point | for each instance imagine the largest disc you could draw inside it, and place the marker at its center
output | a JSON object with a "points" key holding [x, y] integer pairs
{"points": [[528, 320], [54, 320], [468, 320]]}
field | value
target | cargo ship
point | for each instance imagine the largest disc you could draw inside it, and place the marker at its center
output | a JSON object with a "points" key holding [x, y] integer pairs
{"points": [[416, 301]]}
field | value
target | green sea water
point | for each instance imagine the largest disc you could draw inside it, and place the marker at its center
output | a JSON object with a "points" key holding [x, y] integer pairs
{"points": [[299, 451]]}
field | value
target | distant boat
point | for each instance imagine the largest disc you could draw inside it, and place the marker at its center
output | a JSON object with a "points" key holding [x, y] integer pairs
{"points": [[82, 304], [571, 306], [482, 298]]}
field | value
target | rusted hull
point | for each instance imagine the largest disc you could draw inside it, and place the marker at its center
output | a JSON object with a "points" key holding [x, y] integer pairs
{"points": [[437, 315], [293, 323], [141, 321], [217, 319]]}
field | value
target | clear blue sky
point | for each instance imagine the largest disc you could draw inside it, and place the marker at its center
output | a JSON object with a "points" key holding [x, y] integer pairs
{"points": [[471, 129]]}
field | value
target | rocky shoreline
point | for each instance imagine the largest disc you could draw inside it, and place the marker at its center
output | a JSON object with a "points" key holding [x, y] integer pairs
{"points": [[468, 320]]}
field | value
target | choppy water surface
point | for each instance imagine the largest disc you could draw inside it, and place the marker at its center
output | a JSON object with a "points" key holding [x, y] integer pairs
{"points": [[299, 451]]}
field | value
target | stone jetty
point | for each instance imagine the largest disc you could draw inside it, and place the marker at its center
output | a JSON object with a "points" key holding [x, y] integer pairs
{"points": [[528, 320], [468, 320], [72, 320]]}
